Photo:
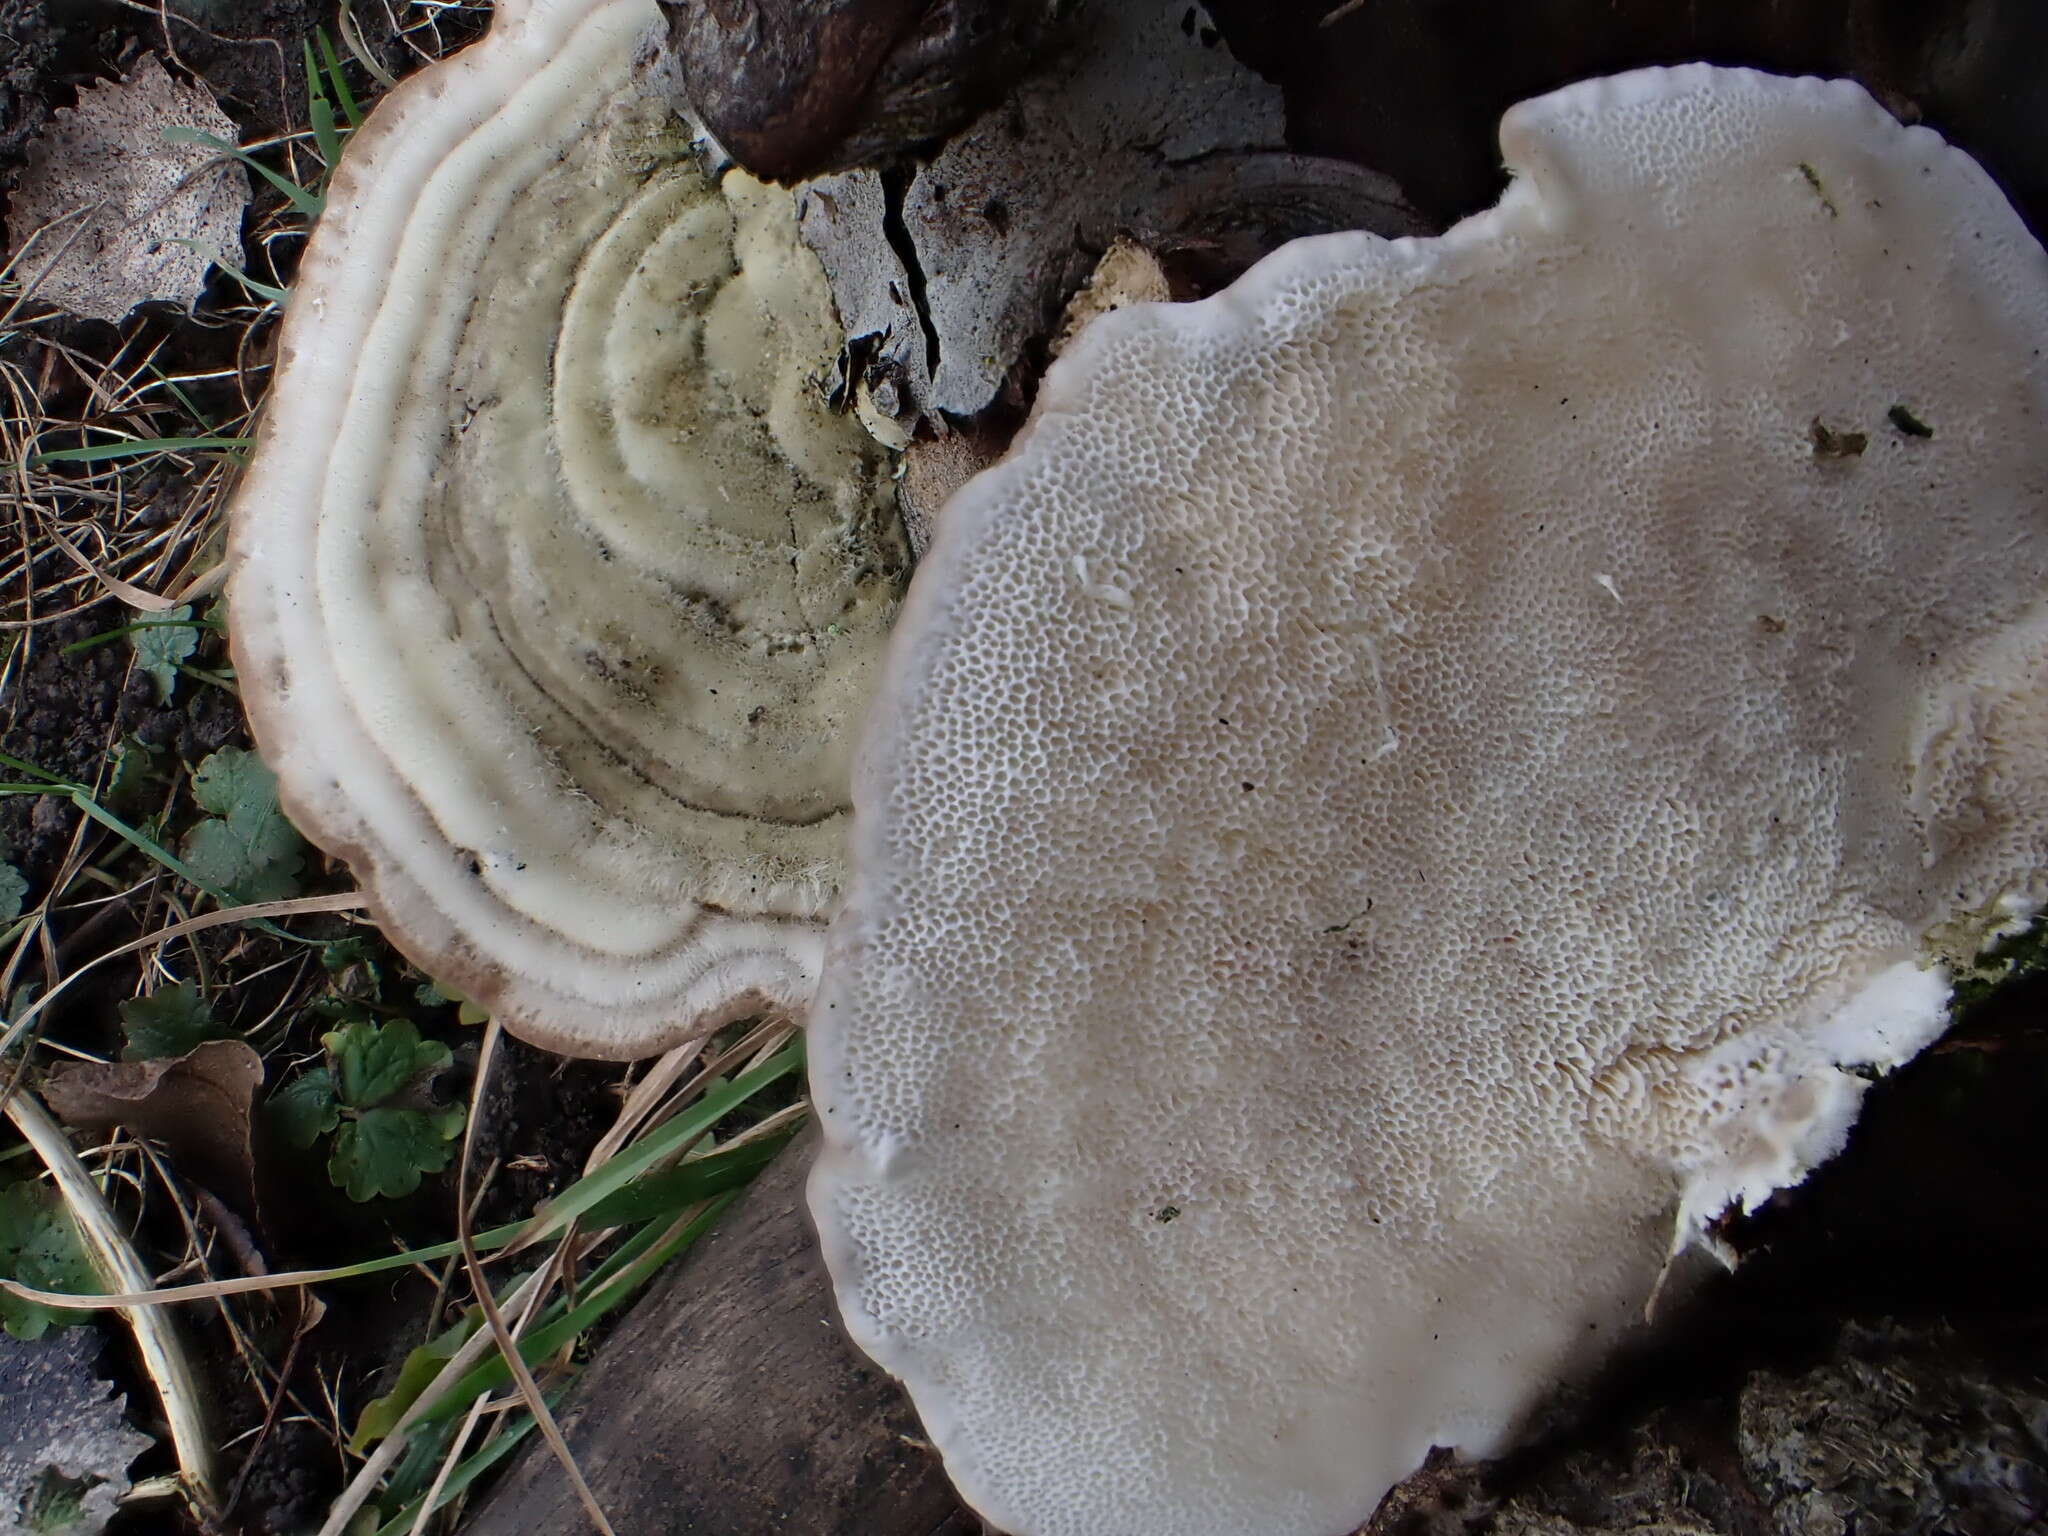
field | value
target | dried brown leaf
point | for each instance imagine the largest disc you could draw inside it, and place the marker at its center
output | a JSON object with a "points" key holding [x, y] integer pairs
{"points": [[198, 1106], [106, 199]]}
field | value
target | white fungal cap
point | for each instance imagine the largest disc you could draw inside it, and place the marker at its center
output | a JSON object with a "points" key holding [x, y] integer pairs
{"points": [[1410, 789], [556, 580]]}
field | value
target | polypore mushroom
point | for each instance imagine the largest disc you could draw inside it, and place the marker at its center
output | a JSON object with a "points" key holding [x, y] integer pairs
{"points": [[556, 579], [1421, 781]]}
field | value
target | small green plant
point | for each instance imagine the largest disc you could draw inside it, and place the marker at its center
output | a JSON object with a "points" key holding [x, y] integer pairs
{"points": [[373, 1098], [40, 1247], [245, 845], [161, 645], [327, 92], [137, 770], [170, 1022]]}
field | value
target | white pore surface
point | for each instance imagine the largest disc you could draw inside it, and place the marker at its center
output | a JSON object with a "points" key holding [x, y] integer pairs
{"points": [[1404, 793], [558, 585]]}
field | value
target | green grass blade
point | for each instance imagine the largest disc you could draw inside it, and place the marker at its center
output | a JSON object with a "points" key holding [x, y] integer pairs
{"points": [[213, 254], [471, 1468], [667, 1190], [381, 1414], [337, 82], [325, 139], [609, 1283], [665, 1141], [22, 765], [308, 203], [320, 113], [628, 1271], [179, 394], [141, 447], [722, 1169]]}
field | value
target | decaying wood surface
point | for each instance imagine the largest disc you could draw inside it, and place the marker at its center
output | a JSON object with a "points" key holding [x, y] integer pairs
{"points": [[795, 88], [729, 1403], [1415, 88]]}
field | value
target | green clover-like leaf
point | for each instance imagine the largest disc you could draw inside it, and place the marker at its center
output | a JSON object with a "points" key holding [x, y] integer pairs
{"points": [[169, 1022], [305, 1109], [246, 846], [40, 1246], [372, 1096], [160, 641], [385, 1151], [375, 1062], [13, 892], [138, 768]]}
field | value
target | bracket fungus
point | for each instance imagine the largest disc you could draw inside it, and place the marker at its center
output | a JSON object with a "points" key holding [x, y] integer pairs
{"points": [[1417, 785], [556, 580]]}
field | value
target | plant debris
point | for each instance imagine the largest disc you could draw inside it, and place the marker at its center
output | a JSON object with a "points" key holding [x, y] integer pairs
{"points": [[1829, 443], [112, 211], [1902, 418], [1813, 180], [198, 1105], [65, 1442]]}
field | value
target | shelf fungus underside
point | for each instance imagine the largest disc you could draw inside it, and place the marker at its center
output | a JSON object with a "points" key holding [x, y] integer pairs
{"points": [[1536, 715]]}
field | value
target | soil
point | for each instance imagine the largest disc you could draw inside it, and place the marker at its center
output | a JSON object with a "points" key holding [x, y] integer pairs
{"points": [[247, 51], [70, 709]]}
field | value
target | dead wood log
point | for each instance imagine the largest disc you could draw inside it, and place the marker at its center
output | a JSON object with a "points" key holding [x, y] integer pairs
{"points": [[1415, 88], [729, 1403]]}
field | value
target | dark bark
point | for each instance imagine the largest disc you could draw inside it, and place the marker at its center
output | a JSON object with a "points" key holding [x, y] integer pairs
{"points": [[795, 88], [730, 1403], [1415, 88]]}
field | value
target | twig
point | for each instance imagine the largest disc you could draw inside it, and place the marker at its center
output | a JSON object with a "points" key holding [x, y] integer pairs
{"points": [[155, 1336], [370, 1476], [515, 1360], [343, 901]]}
